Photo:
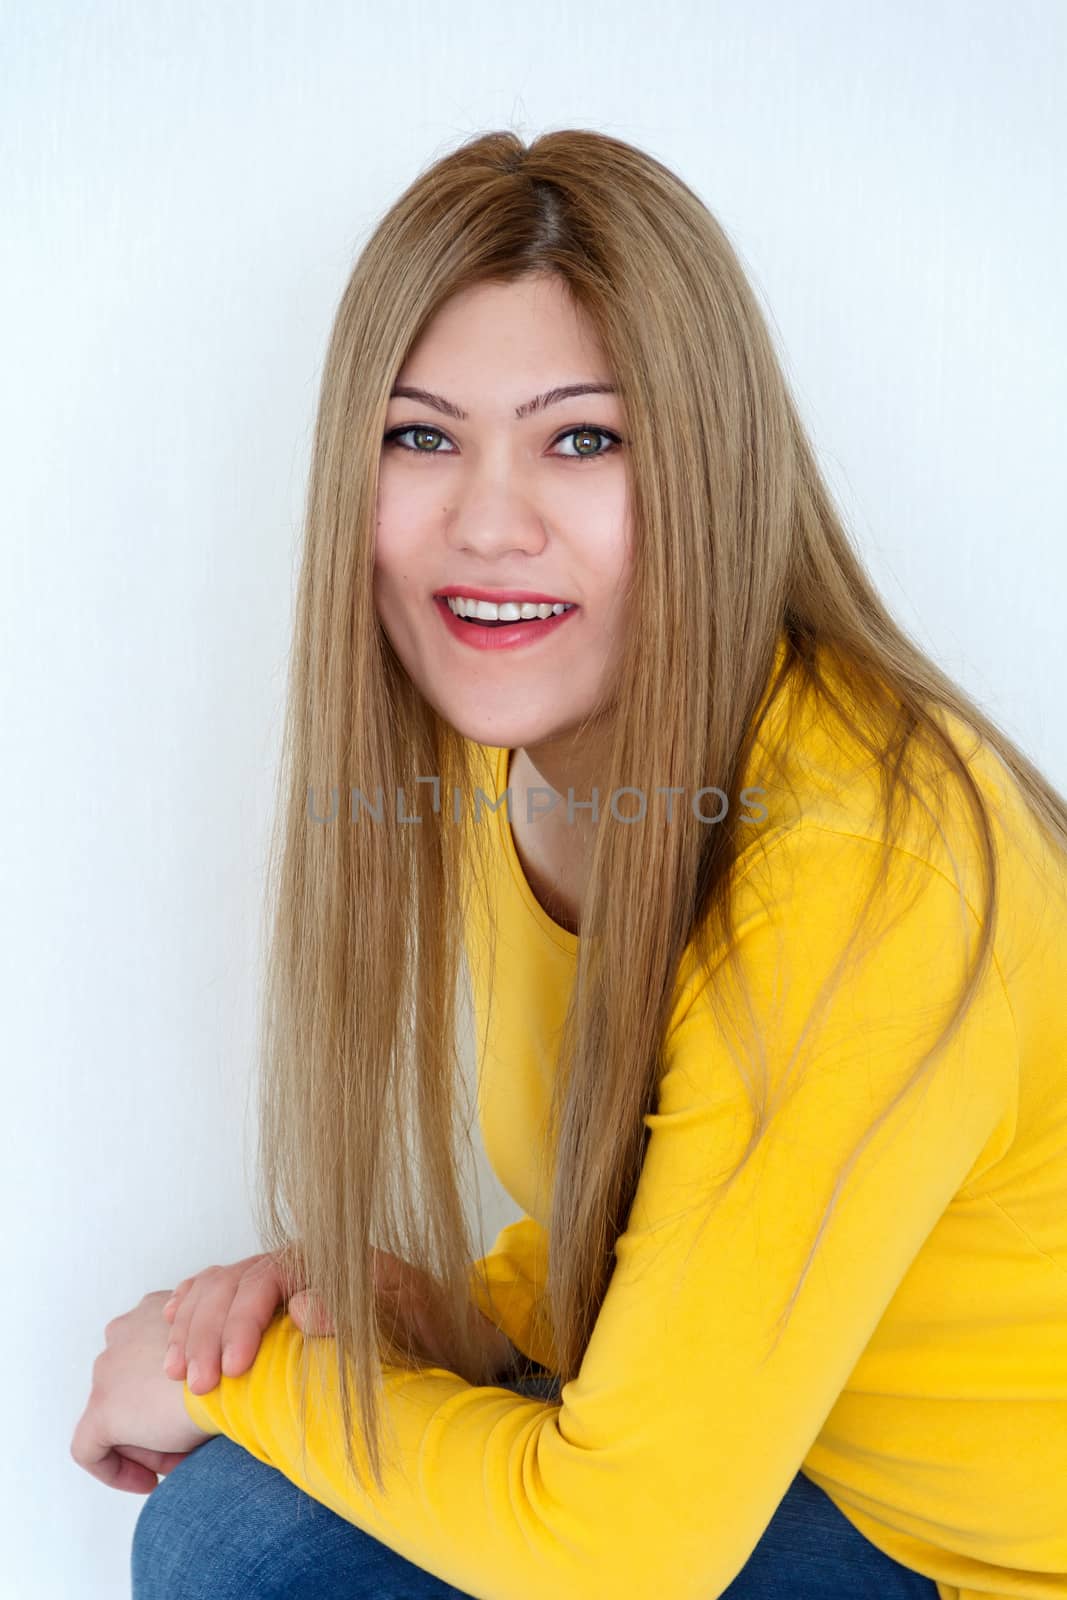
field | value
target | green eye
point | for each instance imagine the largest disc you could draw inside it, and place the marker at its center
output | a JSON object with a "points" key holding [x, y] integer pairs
{"points": [[393, 439], [587, 432], [395, 435]]}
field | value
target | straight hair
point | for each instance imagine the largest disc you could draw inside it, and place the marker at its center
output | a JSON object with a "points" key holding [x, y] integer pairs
{"points": [[737, 546]]}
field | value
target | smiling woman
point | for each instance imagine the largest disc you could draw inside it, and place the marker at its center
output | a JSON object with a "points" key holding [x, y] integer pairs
{"points": [[783, 1108], [497, 504]]}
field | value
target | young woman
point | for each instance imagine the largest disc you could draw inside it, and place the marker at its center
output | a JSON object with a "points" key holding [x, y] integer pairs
{"points": [[767, 961]]}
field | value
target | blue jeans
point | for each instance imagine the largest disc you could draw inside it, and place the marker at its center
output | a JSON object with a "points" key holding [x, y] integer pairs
{"points": [[222, 1526]]}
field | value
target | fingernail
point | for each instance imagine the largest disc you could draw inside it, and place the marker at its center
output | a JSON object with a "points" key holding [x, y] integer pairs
{"points": [[192, 1377], [227, 1356]]}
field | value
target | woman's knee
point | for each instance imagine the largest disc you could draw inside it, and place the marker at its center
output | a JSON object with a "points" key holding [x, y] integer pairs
{"points": [[224, 1526], [811, 1551], [203, 1526]]}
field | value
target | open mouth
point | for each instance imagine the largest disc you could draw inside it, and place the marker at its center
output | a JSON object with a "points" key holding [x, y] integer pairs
{"points": [[519, 612], [541, 620]]}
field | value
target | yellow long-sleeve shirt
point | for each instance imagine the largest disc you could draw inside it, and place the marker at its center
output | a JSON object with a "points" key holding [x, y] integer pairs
{"points": [[921, 1379]]}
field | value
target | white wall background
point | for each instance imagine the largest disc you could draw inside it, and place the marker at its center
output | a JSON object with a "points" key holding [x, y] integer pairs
{"points": [[183, 190]]}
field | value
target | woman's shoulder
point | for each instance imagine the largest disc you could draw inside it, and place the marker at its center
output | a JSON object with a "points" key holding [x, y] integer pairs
{"points": [[827, 786], [825, 761]]}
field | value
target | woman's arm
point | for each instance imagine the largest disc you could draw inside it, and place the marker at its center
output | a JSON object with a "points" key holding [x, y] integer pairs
{"points": [[508, 1287]]}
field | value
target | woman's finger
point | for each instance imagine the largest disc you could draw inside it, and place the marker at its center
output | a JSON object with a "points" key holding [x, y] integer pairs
{"points": [[177, 1296], [309, 1314], [257, 1297], [201, 1313], [174, 1361], [203, 1340], [160, 1461]]}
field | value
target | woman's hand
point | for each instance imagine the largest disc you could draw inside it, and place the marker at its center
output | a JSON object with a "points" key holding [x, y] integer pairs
{"points": [[412, 1297], [218, 1317], [135, 1426]]}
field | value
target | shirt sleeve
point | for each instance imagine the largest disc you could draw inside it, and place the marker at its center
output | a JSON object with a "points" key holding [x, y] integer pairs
{"points": [[508, 1286], [663, 1461]]}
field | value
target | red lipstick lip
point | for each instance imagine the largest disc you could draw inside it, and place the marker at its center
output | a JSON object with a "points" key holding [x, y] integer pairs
{"points": [[490, 642], [501, 596]]}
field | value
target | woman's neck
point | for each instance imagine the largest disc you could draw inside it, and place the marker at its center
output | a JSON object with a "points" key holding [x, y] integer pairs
{"points": [[553, 851]]}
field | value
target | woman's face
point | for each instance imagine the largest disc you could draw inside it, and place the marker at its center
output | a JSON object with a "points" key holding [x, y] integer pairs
{"points": [[494, 505]]}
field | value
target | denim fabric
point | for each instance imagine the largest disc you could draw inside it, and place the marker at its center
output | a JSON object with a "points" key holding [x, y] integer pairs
{"points": [[222, 1526]]}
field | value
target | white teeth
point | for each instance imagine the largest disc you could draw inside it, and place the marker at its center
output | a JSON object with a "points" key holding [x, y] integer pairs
{"points": [[508, 611]]}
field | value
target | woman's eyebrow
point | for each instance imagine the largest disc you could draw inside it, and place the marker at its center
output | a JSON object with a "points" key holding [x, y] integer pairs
{"points": [[405, 391]]}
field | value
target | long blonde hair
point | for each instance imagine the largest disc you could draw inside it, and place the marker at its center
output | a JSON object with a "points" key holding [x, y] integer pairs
{"points": [[737, 544]]}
